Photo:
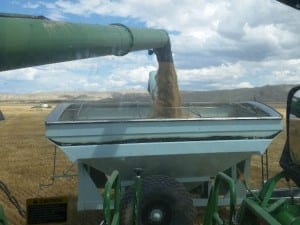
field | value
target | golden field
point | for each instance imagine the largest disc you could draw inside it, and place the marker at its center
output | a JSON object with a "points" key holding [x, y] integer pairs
{"points": [[27, 157]]}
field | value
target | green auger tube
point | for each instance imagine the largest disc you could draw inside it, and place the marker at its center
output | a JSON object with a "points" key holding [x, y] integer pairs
{"points": [[30, 41]]}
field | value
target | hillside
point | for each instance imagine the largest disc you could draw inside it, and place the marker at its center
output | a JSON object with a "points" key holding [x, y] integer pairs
{"points": [[266, 94]]}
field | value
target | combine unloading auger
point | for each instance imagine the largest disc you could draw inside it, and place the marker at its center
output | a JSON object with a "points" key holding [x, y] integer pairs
{"points": [[30, 41], [27, 41]]}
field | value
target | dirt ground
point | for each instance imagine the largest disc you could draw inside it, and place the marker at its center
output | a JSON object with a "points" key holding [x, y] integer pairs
{"points": [[26, 163]]}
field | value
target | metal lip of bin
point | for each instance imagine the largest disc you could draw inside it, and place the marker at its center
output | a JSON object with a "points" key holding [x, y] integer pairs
{"points": [[90, 123], [56, 114]]}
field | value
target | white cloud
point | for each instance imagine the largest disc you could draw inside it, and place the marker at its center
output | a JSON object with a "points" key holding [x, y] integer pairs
{"points": [[225, 76], [216, 44], [30, 5], [28, 74], [222, 72]]}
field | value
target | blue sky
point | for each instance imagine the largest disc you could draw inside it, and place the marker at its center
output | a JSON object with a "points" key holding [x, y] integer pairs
{"points": [[216, 45]]}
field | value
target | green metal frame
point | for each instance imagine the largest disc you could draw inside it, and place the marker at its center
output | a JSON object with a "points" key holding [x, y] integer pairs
{"points": [[112, 192], [3, 220], [262, 208], [250, 211], [267, 190], [255, 209], [212, 215], [137, 198]]}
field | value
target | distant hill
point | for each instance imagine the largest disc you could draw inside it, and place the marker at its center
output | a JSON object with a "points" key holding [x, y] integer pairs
{"points": [[267, 94]]}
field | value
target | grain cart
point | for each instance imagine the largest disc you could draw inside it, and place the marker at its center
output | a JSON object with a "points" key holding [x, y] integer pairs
{"points": [[171, 161], [102, 138]]}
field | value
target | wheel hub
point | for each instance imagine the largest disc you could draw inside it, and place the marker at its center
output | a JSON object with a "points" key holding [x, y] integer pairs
{"points": [[156, 215]]}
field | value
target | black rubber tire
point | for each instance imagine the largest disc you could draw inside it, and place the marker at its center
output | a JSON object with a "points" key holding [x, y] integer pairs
{"points": [[160, 194]]}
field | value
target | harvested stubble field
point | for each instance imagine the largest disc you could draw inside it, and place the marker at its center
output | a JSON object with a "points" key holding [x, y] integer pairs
{"points": [[27, 157]]}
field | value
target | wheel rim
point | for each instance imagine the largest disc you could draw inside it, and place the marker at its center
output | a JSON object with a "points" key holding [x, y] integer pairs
{"points": [[156, 213]]}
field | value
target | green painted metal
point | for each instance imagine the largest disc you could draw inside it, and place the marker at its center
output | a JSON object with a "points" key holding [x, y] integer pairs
{"points": [[267, 190], [293, 3], [3, 220], [137, 198], [289, 215], [263, 209], [27, 41], [212, 216], [112, 192], [254, 210], [253, 213]]}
